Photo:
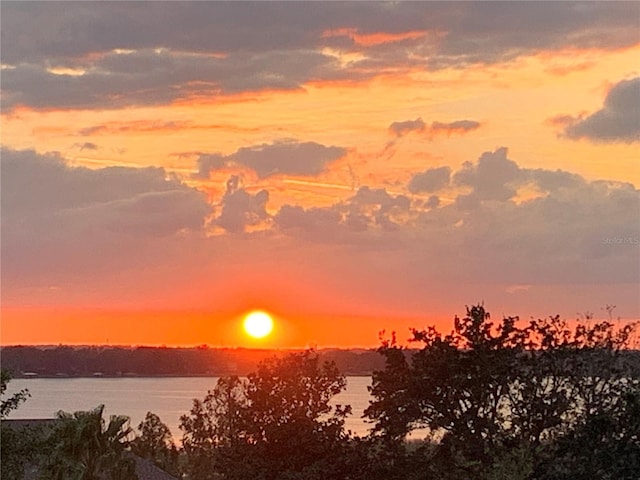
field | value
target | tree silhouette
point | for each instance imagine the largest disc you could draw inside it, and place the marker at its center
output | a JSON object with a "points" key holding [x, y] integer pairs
{"points": [[19, 447], [498, 394], [7, 405], [84, 448], [156, 444], [278, 423]]}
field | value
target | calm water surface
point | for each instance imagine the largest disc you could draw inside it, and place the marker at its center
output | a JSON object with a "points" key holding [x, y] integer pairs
{"points": [[166, 397]]}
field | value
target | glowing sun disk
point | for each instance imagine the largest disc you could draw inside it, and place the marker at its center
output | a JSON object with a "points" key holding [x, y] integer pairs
{"points": [[258, 324]]}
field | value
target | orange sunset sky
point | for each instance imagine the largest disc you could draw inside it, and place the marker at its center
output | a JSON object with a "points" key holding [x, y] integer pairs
{"points": [[347, 167]]}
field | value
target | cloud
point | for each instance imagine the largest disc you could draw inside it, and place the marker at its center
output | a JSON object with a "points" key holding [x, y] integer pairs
{"points": [[58, 219], [288, 157], [281, 157], [432, 202], [117, 128], [115, 233], [34, 32], [207, 162], [458, 127], [369, 208], [487, 234], [553, 180], [122, 54], [494, 177], [617, 121], [241, 209], [486, 34], [377, 207], [402, 128], [294, 217], [378, 196], [431, 180], [86, 146], [156, 77]]}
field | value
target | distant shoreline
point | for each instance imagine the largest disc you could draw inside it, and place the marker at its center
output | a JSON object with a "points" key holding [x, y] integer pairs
{"points": [[156, 362]]}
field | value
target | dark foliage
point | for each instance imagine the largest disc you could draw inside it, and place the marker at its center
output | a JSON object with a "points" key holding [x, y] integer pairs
{"points": [[156, 444], [276, 424], [7, 405], [84, 447], [17, 448], [604, 445], [508, 399]]}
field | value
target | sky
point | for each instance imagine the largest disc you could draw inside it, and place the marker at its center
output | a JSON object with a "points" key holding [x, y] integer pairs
{"points": [[350, 168]]}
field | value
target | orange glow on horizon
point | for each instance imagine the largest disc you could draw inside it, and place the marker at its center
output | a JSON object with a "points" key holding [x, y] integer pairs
{"points": [[68, 326]]}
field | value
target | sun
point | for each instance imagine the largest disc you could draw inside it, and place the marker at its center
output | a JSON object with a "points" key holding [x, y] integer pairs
{"points": [[258, 324]]}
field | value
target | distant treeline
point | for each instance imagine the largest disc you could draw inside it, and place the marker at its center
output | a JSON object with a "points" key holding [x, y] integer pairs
{"points": [[88, 361]]}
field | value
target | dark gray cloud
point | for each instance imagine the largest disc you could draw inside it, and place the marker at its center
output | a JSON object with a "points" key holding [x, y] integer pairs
{"points": [[431, 180], [57, 218], [499, 31], [552, 180], [494, 177], [369, 209], [399, 129], [459, 126], [402, 128], [573, 232], [281, 157], [151, 77], [74, 227], [207, 162], [375, 206], [617, 121], [35, 31], [45, 183], [240, 209], [313, 220], [432, 202], [154, 52], [203, 27], [86, 146], [289, 157], [378, 196]]}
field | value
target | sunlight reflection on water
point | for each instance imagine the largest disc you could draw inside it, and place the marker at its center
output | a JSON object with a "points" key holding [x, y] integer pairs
{"points": [[167, 397]]}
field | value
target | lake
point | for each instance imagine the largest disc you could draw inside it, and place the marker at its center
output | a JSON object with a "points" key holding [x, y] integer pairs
{"points": [[167, 397]]}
